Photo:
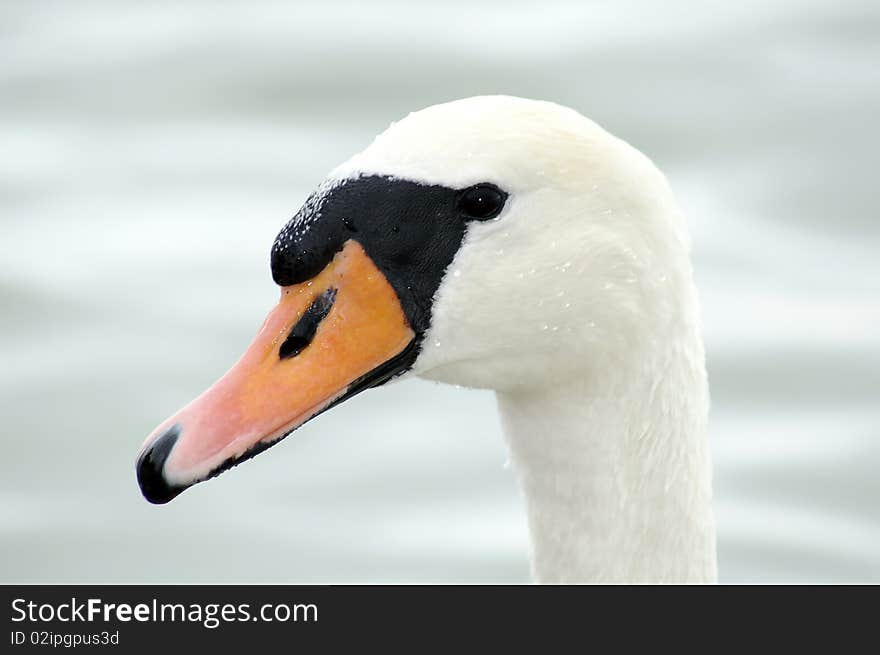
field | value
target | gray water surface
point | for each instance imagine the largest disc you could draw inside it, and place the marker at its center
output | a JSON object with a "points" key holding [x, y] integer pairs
{"points": [[150, 152]]}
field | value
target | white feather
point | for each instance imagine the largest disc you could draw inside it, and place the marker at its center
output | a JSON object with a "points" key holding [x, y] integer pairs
{"points": [[577, 305]]}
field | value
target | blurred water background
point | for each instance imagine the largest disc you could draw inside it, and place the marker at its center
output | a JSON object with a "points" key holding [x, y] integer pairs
{"points": [[151, 151]]}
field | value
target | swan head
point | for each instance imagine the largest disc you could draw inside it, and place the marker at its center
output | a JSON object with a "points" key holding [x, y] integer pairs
{"points": [[491, 242]]}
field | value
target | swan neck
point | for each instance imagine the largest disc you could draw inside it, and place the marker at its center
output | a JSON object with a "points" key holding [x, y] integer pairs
{"points": [[617, 475]]}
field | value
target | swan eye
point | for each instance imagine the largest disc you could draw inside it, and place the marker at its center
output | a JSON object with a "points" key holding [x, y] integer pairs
{"points": [[482, 201]]}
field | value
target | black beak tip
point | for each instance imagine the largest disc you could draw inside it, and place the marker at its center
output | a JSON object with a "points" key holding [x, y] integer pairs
{"points": [[150, 467]]}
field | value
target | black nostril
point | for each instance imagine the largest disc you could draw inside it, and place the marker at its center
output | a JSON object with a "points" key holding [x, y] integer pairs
{"points": [[150, 465], [302, 333]]}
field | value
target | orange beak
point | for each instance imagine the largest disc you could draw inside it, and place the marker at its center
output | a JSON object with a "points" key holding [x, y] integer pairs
{"points": [[327, 339]]}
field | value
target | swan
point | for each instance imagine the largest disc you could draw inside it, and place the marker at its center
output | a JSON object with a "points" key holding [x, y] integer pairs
{"points": [[509, 244]]}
